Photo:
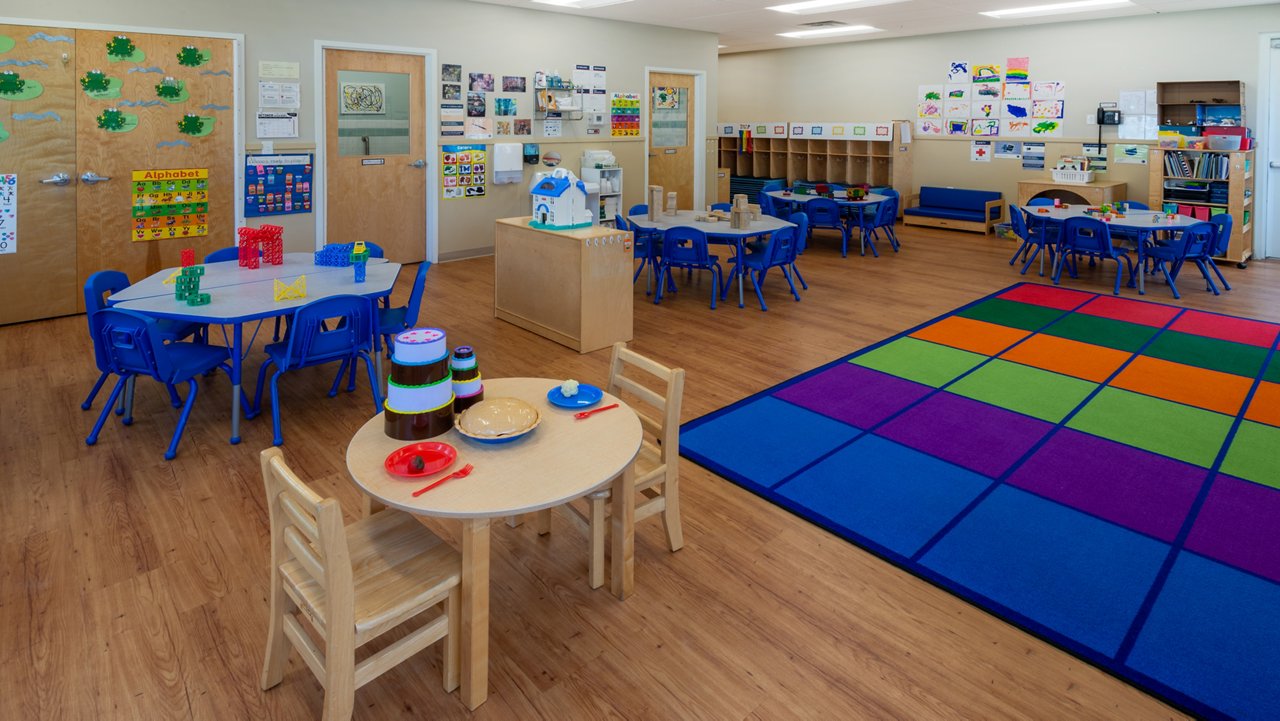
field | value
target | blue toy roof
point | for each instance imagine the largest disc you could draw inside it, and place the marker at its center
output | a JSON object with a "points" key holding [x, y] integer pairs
{"points": [[551, 187]]}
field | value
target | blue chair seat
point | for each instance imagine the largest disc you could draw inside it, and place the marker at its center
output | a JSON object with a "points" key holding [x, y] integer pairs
{"points": [[190, 359], [948, 213]]}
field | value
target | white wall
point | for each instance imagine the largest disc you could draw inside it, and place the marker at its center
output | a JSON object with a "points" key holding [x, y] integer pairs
{"points": [[878, 79], [482, 38]]}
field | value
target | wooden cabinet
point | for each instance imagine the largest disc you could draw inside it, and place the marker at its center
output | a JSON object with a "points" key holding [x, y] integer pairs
{"points": [[1189, 107], [1204, 183], [571, 286]]}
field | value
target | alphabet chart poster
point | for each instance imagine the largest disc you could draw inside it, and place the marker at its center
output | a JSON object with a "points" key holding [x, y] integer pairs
{"points": [[8, 213], [172, 203]]}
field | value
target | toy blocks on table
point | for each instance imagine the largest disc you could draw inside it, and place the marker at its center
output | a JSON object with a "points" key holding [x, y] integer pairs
{"points": [[359, 260], [188, 257], [296, 290], [337, 255], [271, 238], [248, 248], [360, 270], [199, 299], [186, 285]]}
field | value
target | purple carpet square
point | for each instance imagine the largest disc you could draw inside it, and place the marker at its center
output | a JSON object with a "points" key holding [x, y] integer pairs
{"points": [[856, 395], [1141, 491], [974, 435], [1237, 525]]}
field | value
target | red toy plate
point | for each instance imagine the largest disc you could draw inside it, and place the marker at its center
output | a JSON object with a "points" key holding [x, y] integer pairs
{"points": [[435, 458]]}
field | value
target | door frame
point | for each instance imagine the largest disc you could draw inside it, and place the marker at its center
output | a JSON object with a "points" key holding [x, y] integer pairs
{"points": [[237, 63], [1264, 215], [430, 127], [699, 137]]}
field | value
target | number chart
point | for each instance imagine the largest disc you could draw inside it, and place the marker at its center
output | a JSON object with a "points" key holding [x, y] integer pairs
{"points": [[8, 213]]}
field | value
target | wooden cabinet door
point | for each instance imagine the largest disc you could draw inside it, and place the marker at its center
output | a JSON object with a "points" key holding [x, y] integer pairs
{"points": [[38, 141]]}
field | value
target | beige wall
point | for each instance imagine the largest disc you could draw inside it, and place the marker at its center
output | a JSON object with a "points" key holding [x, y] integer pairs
{"points": [[482, 38], [878, 79]]}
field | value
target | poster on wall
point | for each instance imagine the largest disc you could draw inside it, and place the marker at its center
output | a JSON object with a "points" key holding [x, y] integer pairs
{"points": [[8, 213], [462, 171], [1033, 156], [277, 184], [172, 203], [980, 151], [624, 114], [1008, 150], [362, 99], [1097, 155], [1128, 153]]}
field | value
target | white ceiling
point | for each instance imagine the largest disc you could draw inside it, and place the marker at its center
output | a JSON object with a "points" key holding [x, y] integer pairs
{"points": [[746, 25]]}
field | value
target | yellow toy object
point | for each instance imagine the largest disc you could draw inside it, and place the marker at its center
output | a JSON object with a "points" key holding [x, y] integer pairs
{"points": [[359, 247], [291, 291], [173, 278]]}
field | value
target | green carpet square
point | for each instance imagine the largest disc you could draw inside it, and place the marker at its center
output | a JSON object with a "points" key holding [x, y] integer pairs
{"points": [[920, 361], [1012, 314], [1255, 454], [1211, 353], [1038, 393], [1273, 370], [1171, 429], [1116, 334]]}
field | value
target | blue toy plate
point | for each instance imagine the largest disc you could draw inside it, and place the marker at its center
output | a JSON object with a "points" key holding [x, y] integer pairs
{"points": [[587, 396]]}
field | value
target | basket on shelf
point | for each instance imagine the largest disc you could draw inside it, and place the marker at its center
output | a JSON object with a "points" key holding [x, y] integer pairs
{"points": [[1072, 176]]}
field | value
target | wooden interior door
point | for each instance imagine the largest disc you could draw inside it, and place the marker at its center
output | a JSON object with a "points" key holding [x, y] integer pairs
{"points": [[375, 151], [38, 141], [151, 140], [671, 135]]}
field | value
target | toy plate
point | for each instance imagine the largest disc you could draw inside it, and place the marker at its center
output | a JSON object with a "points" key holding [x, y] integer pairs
{"points": [[435, 458], [587, 396]]}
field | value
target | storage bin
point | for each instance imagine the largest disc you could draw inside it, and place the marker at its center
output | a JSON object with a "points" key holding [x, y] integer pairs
{"points": [[1073, 176]]}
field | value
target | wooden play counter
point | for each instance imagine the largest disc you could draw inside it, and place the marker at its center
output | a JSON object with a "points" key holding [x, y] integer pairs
{"points": [[573, 286]]}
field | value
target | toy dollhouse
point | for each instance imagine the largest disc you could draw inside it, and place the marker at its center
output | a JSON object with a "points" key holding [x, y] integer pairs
{"points": [[559, 201]]}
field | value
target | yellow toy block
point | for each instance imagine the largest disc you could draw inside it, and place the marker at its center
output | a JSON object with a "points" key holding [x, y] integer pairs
{"points": [[173, 278], [359, 247], [291, 291]]}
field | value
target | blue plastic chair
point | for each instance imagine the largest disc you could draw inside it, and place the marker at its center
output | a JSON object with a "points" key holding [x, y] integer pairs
{"points": [[1034, 241], [1040, 202], [685, 247], [132, 345], [223, 254], [96, 289], [774, 185], [825, 213], [310, 343], [779, 252], [1089, 237], [801, 221], [390, 321], [886, 215], [1221, 243], [638, 209], [1194, 244], [726, 207], [771, 207], [1136, 205]]}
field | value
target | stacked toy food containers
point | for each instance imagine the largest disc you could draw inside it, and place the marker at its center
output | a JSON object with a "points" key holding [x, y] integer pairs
{"points": [[467, 387], [420, 390]]}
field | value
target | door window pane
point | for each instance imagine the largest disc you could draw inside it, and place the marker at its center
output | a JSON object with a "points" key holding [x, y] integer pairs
{"points": [[670, 117], [373, 113]]}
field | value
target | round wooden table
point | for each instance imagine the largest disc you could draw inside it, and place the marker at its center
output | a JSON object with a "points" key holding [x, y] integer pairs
{"points": [[560, 460]]}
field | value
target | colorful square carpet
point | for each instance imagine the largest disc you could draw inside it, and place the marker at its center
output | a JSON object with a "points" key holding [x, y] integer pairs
{"points": [[1102, 472]]}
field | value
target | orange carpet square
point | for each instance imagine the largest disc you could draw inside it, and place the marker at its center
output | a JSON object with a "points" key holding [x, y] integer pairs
{"points": [[1199, 387], [1069, 357], [971, 335], [1265, 407]]}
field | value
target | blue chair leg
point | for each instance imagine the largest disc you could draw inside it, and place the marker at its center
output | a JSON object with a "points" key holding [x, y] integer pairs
{"points": [[275, 409], [174, 400], [871, 241], [182, 420], [787, 274], [337, 379], [256, 408], [106, 411], [1164, 268], [373, 381], [715, 284], [755, 283], [893, 238], [799, 277], [662, 274], [1208, 279], [1031, 259], [1218, 271], [844, 243], [128, 401], [88, 400]]}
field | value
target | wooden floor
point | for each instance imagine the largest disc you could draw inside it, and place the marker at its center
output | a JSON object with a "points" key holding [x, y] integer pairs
{"points": [[134, 588]]}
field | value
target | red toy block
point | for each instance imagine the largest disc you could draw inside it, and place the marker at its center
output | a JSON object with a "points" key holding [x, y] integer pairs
{"points": [[188, 257]]}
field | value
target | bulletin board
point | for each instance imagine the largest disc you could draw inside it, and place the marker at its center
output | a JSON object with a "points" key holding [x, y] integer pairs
{"points": [[277, 184]]}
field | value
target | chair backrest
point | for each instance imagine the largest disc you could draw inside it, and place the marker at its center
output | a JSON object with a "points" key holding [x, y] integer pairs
{"points": [[766, 203], [726, 207], [659, 410], [308, 528], [886, 213], [100, 285], [801, 221], [1089, 235], [774, 185], [1222, 222], [129, 343], [683, 244], [1195, 240], [641, 209], [781, 249], [1040, 201], [1018, 221], [375, 250], [221, 254], [312, 341], [415, 295], [823, 212], [1136, 205]]}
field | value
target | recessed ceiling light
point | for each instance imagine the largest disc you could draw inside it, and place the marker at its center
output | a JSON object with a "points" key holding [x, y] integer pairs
{"points": [[1056, 8], [580, 4], [841, 30], [813, 6]]}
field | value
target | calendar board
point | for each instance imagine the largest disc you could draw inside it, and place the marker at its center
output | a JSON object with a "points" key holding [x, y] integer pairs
{"points": [[170, 203], [277, 184], [8, 213]]}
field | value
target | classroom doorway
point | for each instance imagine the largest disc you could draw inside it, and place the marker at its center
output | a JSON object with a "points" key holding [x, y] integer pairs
{"points": [[676, 134], [376, 159], [83, 114]]}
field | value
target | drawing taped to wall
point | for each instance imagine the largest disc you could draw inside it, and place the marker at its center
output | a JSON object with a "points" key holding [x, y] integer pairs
{"points": [[958, 71], [929, 109], [988, 73], [1017, 70], [928, 127], [1017, 91], [958, 91], [986, 110], [959, 109], [929, 94], [1048, 90], [451, 73], [1046, 108], [363, 98], [958, 127], [984, 127], [481, 81], [1015, 127]]}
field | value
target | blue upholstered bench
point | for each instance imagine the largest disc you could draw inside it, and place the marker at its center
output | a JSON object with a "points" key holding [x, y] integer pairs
{"points": [[956, 208]]}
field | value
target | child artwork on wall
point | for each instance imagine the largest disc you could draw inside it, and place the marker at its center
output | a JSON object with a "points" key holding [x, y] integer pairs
{"points": [[957, 91], [481, 81], [928, 127], [1017, 91], [1017, 70], [959, 109], [523, 126], [984, 127], [502, 127], [1046, 108], [1015, 127], [986, 110], [957, 127], [929, 109], [451, 91], [504, 106], [986, 73], [958, 71], [451, 73], [475, 105], [929, 93], [513, 83], [1017, 109], [987, 91], [1048, 90], [1047, 128]]}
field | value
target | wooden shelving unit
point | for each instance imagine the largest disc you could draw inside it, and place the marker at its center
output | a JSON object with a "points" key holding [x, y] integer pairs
{"points": [[1239, 171], [1191, 106]]}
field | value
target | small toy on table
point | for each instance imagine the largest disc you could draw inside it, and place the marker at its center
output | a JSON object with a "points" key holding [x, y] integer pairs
{"points": [[249, 246], [296, 290], [187, 286], [271, 238], [337, 255], [359, 259], [188, 257]]}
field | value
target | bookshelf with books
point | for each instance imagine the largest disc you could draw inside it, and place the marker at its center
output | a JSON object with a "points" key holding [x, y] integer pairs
{"points": [[1204, 183]]}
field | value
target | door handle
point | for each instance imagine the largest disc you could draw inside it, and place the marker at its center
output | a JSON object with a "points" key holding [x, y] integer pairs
{"points": [[1275, 164], [91, 177], [57, 179], [418, 163]]}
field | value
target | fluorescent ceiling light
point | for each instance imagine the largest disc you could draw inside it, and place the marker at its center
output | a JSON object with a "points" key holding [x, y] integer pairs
{"points": [[840, 30], [580, 4], [1056, 8], [816, 6]]}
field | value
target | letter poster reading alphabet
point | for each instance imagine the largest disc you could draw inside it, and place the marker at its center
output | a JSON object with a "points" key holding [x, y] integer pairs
{"points": [[170, 203]]}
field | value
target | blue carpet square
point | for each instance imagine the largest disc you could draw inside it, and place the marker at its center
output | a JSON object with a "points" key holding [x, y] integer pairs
{"points": [[891, 495], [1077, 576], [1212, 634], [766, 440]]}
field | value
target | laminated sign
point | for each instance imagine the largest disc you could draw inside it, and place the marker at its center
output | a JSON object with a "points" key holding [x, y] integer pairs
{"points": [[171, 203]]}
